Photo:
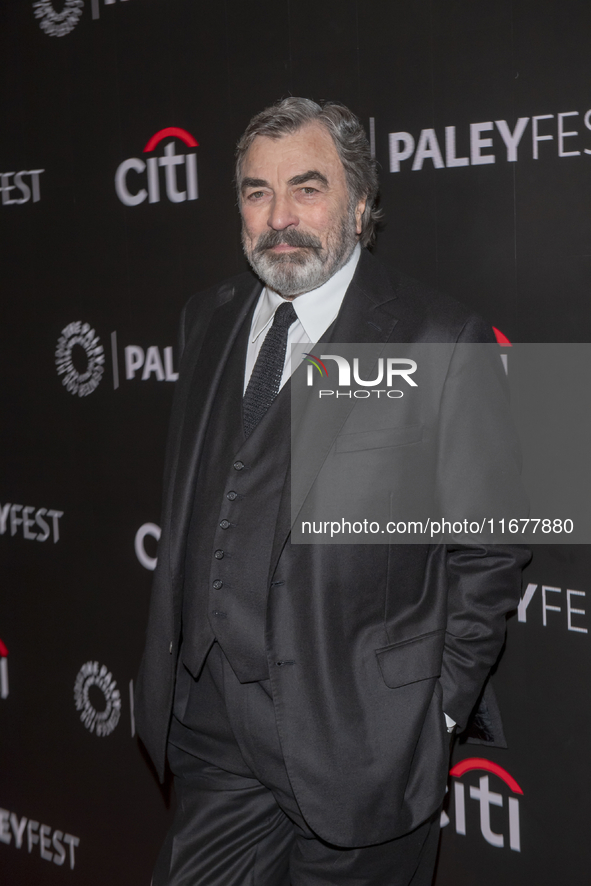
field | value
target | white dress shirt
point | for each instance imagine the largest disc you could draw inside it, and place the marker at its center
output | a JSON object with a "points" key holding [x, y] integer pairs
{"points": [[316, 311]]}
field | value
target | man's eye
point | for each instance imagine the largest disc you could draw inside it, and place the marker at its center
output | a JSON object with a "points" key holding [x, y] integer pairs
{"points": [[309, 190], [256, 195]]}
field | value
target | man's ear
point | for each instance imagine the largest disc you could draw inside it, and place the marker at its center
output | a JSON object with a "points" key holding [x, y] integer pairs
{"points": [[359, 210]]}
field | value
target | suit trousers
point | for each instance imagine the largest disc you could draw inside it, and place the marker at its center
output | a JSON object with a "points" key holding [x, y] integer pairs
{"points": [[237, 821]]}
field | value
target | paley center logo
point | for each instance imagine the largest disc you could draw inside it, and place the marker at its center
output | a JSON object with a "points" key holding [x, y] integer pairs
{"points": [[483, 143], [94, 677], [388, 370], [58, 24], [486, 799], [77, 379], [80, 360], [137, 180]]}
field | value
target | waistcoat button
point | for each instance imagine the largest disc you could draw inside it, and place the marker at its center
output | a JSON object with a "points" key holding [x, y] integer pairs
{"points": [[224, 524], [219, 555], [218, 584], [238, 465]]}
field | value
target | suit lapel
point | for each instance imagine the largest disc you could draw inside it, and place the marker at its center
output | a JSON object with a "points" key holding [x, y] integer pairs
{"points": [[205, 365], [367, 316], [369, 310]]}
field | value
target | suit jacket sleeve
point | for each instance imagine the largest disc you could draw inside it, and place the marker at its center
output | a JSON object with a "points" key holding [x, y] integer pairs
{"points": [[484, 580]]}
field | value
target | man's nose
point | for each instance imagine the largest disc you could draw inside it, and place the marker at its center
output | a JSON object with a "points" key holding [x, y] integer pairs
{"points": [[282, 213]]}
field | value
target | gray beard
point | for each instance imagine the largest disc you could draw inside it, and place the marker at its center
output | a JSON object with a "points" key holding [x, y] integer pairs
{"points": [[295, 273]]}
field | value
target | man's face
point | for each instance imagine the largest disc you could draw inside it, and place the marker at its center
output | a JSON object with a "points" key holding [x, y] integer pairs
{"points": [[298, 227]]}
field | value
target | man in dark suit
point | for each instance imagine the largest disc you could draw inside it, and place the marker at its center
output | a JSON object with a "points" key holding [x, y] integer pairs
{"points": [[305, 695]]}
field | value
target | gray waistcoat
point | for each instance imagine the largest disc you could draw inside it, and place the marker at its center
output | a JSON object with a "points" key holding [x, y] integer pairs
{"points": [[232, 527]]}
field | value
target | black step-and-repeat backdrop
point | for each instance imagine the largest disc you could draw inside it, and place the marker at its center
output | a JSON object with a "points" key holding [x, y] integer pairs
{"points": [[119, 121]]}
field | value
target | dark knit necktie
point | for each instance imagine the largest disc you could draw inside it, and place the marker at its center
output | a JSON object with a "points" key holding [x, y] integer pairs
{"points": [[265, 380]]}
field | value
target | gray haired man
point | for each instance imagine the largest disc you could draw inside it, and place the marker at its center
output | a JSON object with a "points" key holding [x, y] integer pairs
{"points": [[304, 695]]}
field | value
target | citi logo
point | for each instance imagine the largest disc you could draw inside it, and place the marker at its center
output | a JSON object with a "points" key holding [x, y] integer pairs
{"points": [[150, 530], [3, 670], [497, 828], [137, 180]]}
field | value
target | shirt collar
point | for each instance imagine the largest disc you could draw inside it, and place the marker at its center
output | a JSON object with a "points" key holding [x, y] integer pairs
{"points": [[316, 309]]}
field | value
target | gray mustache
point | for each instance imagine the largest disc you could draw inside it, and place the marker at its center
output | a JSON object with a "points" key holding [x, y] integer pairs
{"points": [[288, 237]]}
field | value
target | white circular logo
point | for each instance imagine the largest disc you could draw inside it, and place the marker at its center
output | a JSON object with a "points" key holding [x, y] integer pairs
{"points": [[58, 24], [102, 722], [81, 383]]}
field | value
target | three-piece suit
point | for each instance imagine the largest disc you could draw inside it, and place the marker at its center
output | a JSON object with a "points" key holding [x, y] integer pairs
{"points": [[360, 648]]}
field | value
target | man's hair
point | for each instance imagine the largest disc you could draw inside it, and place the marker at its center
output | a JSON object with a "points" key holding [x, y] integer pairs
{"points": [[288, 115]]}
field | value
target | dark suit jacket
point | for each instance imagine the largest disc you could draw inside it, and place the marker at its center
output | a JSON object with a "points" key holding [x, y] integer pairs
{"points": [[381, 639]]}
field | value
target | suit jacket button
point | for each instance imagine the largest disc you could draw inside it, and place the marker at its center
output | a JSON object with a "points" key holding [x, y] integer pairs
{"points": [[224, 524], [219, 555], [218, 584], [231, 495], [238, 465]]}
